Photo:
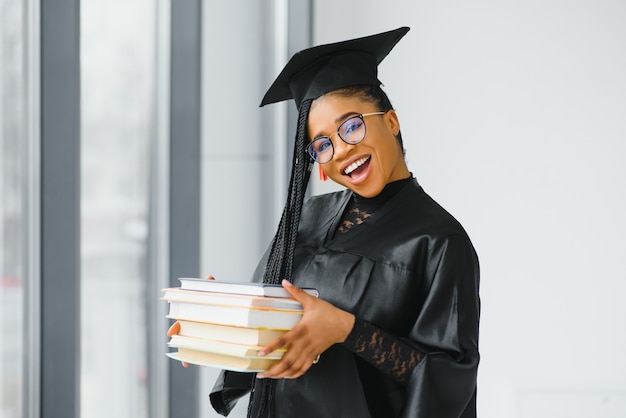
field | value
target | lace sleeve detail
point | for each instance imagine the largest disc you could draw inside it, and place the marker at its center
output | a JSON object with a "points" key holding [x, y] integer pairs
{"points": [[386, 352]]}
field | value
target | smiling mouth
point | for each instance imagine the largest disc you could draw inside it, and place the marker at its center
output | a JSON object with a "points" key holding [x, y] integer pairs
{"points": [[355, 165]]}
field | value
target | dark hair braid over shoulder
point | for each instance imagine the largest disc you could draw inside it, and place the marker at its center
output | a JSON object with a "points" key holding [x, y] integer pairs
{"points": [[280, 261]]}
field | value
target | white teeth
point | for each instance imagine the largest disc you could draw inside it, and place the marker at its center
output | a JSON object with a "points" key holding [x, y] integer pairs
{"points": [[355, 165]]}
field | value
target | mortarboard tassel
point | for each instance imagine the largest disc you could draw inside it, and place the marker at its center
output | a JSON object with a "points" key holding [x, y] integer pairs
{"points": [[323, 176]]}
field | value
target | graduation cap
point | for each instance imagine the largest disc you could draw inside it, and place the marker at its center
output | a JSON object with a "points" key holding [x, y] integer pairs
{"points": [[316, 71]]}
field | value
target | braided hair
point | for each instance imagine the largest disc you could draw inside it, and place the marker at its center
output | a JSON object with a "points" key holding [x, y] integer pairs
{"points": [[280, 260]]}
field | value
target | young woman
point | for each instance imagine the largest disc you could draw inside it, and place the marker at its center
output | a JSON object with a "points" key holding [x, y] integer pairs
{"points": [[394, 332]]}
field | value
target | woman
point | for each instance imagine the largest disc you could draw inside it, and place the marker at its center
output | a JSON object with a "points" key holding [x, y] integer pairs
{"points": [[394, 332]]}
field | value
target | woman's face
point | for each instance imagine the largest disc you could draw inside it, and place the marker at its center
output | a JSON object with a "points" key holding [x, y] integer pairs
{"points": [[378, 158]]}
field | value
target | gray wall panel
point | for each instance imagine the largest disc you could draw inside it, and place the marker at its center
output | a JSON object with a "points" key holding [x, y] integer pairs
{"points": [[60, 209], [184, 178]]}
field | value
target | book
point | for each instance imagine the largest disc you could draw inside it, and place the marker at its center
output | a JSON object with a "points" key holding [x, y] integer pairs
{"points": [[251, 317], [238, 335], [242, 288], [220, 347], [227, 299], [222, 361]]}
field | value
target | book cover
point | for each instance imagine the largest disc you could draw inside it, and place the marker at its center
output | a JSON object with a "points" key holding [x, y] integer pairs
{"points": [[228, 299], [243, 288], [221, 347], [238, 335], [221, 361], [235, 316]]}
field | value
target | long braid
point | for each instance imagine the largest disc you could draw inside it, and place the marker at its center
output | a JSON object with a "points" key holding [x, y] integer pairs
{"points": [[280, 261], [301, 180]]}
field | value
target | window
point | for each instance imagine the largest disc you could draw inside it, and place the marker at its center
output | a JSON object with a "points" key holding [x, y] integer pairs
{"points": [[12, 138], [117, 108]]}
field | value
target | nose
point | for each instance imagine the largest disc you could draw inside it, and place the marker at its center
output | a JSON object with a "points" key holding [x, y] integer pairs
{"points": [[341, 148]]}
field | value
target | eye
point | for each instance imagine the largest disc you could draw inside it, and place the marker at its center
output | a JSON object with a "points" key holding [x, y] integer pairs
{"points": [[324, 144], [321, 149], [321, 144], [350, 126]]}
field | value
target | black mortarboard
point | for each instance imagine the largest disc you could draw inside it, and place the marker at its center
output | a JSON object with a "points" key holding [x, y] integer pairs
{"points": [[316, 71]]}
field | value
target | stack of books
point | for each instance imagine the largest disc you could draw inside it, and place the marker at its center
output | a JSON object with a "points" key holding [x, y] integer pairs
{"points": [[224, 324]]}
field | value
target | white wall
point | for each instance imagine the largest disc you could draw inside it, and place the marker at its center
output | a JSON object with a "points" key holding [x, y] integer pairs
{"points": [[514, 118]]}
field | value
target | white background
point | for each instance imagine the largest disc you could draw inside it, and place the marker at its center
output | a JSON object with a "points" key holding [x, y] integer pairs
{"points": [[514, 118]]}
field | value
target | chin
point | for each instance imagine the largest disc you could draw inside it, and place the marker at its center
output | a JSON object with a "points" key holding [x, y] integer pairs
{"points": [[368, 191], [368, 194]]}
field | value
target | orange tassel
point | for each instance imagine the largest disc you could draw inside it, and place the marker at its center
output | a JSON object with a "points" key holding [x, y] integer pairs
{"points": [[323, 175]]}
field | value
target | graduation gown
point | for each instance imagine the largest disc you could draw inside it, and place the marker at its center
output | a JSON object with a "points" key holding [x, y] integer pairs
{"points": [[411, 270]]}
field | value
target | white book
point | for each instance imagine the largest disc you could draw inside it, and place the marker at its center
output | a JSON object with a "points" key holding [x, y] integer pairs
{"points": [[222, 361], [221, 347], [238, 335], [176, 294], [242, 288], [235, 316]]}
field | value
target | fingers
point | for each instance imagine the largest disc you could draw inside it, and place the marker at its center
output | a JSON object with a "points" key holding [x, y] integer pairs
{"points": [[210, 277], [299, 357], [298, 294], [289, 367], [278, 343], [174, 329]]}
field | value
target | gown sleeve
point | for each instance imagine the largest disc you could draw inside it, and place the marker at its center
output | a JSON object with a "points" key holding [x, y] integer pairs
{"points": [[228, 389], [452, 303], [388, 353], [443, 383]]}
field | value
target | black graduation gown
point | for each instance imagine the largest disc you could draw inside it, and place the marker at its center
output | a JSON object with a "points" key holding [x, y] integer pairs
{"points": [[411, 270]]}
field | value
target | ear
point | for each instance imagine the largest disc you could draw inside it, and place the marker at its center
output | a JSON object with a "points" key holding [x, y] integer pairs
{"points": [[391, 119]]}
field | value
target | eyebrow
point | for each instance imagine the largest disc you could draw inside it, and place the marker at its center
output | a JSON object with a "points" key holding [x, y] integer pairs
{"points": [[341, 118]]}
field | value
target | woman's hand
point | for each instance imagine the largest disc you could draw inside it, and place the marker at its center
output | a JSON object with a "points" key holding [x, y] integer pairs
{"points": [[321, 326], [175, 328]]}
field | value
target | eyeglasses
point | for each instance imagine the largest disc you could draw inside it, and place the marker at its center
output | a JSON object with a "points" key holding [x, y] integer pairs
{"points": [[351, 131]]}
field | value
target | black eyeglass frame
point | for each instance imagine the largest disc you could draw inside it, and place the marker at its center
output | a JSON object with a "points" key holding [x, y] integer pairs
{"points": [[312, 153]]}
